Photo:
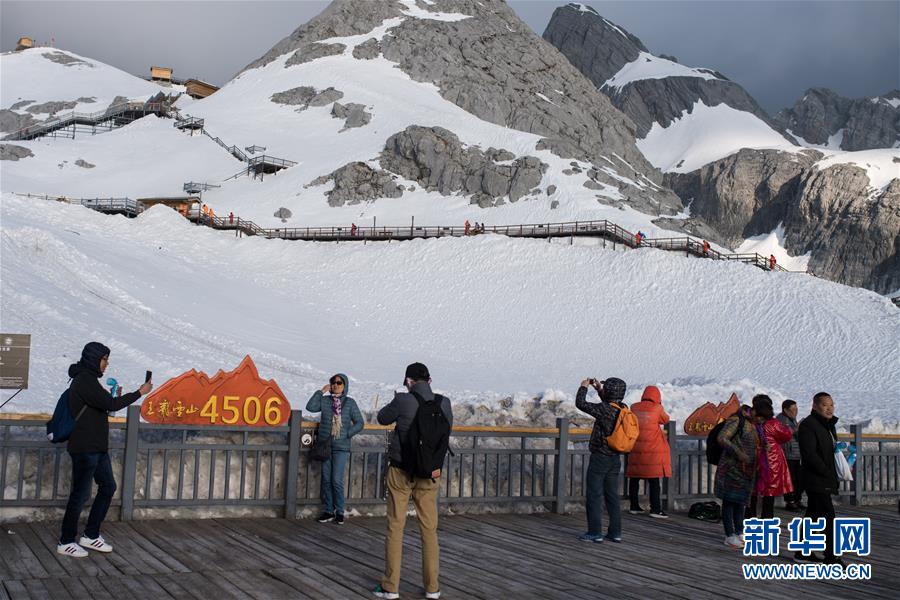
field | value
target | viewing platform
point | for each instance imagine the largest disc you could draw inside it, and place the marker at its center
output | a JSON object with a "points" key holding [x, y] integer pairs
{"points": [[515, 557]]}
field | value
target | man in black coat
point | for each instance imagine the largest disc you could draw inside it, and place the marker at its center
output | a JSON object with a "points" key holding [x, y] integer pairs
{"points": [[818, 437], [88, 447]]}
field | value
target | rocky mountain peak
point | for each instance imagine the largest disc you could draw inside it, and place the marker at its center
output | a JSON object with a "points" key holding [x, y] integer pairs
{"points": [[824, 118], [649, 89], [484, 59]]}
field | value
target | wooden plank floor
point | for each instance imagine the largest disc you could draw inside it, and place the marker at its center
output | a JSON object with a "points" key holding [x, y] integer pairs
{"points": [[482, 556]]}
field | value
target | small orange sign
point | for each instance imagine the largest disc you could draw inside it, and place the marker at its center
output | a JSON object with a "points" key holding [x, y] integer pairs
{"points": [[239, 397], [708, 416]]}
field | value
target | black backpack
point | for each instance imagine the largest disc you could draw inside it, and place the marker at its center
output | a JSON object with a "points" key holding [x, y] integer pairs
{"points": [[705, 511], [62, 423], [713, 447], [427, 440]]}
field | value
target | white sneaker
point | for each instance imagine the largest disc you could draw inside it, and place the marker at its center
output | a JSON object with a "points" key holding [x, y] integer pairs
{"points": [[72, 549], [733, 541], [99, 544], [433, 595]]}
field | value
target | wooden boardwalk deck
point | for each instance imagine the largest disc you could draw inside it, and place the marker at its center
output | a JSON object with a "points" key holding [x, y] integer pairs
{"points": [[483, 556]]}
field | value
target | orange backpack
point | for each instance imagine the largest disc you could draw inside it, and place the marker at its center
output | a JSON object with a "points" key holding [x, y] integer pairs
{"points": [[625, 432]]}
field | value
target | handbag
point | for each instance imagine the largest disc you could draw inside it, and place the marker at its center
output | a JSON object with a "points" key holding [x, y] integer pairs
{"points": [[321, 448], [844, 472]]}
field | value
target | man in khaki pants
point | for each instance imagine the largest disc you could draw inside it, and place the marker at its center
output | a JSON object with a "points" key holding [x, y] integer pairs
{"points": [[401, 485]]}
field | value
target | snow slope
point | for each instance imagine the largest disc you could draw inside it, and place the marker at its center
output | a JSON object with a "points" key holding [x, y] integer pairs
{"points": [[648, 66], [492, 317], [706, 134], [881, 165], [242, 114], [30, 75]]}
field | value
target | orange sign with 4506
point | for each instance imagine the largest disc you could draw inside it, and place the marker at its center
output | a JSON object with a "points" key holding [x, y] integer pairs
{"points": [[239, 397]]}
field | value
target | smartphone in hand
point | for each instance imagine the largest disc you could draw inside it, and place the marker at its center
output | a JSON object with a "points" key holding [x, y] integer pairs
{"points": [[148, 377]]}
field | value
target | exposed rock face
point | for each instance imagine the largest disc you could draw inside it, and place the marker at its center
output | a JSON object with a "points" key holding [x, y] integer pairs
{"points": [[851, 231], [354, 115], [13, 152], [854, 236], [310, 52], [116, 101], [20, 104], [493, 66], [600, 49], [367, 50], [84, 164], [744, 194], [305, 96], [435, 158], [50, 107], [340, 19], [87, 100], [283, 213], [358, 182], [65, 59], [862, 124], [11, 121]]}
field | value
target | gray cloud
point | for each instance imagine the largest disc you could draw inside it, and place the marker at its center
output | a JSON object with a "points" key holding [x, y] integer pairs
{"points": [[774, 49]]}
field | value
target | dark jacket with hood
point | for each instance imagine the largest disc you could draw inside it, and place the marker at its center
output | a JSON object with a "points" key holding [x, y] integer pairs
{"points": [[402, 411], [817, 436], [604, 413], [91, 432], [352, 421]]}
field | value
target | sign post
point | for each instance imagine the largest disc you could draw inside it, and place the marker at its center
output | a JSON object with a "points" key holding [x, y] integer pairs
{"points": [[15, 349]]}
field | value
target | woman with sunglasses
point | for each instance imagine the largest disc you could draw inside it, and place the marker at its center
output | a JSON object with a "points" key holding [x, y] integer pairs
{"points": [[340, 421]]}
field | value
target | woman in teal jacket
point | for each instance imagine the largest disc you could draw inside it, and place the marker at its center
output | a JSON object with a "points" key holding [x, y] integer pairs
{"points": [[340, 421]]}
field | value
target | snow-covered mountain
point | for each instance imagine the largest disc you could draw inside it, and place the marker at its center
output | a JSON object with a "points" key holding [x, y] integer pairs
{"points": [[744, 175], [41, 82], [686, 117], [823, 119], [438, 111]]}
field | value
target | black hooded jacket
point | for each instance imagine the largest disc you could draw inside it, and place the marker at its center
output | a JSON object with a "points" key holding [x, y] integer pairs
{"points": [[91, 432], [817, 436]]}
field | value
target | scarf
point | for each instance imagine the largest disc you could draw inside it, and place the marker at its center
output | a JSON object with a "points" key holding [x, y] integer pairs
{"points": [[336, 416]]}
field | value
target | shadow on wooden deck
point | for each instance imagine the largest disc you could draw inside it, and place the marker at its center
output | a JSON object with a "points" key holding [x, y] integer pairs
{"points": [[482, 556]]}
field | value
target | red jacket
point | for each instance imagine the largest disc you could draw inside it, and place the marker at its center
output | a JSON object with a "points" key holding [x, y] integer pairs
{"points": [[772, 475], [650, 457]]}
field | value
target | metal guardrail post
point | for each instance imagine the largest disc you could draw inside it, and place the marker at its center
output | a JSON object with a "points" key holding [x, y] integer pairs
{"points": [[858, 484], [293, 461], [561, 466], [672, 485], [129, 469]]}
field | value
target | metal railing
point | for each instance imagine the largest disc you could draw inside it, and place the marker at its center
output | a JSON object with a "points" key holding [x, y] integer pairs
{"points": [[120, 114], [168, 466]]}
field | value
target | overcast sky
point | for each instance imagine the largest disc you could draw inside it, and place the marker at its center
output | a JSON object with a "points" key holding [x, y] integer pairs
{"points": [[775, 49]]}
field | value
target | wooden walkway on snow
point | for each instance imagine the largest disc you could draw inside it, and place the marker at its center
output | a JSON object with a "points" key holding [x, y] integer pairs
{"points": [[482, 556]]}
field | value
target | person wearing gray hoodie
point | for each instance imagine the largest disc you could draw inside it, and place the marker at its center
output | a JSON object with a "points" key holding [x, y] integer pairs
{"points": [[340, 421], [401, 486]]}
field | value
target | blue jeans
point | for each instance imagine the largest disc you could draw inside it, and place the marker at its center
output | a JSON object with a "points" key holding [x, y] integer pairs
{"points": [[85, 467], [732, 518], [603, 488], [333, 481]]}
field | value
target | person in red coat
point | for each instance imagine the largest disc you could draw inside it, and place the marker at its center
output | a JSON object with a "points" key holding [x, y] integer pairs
{"points": [[650, 458], [772, 475]]}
